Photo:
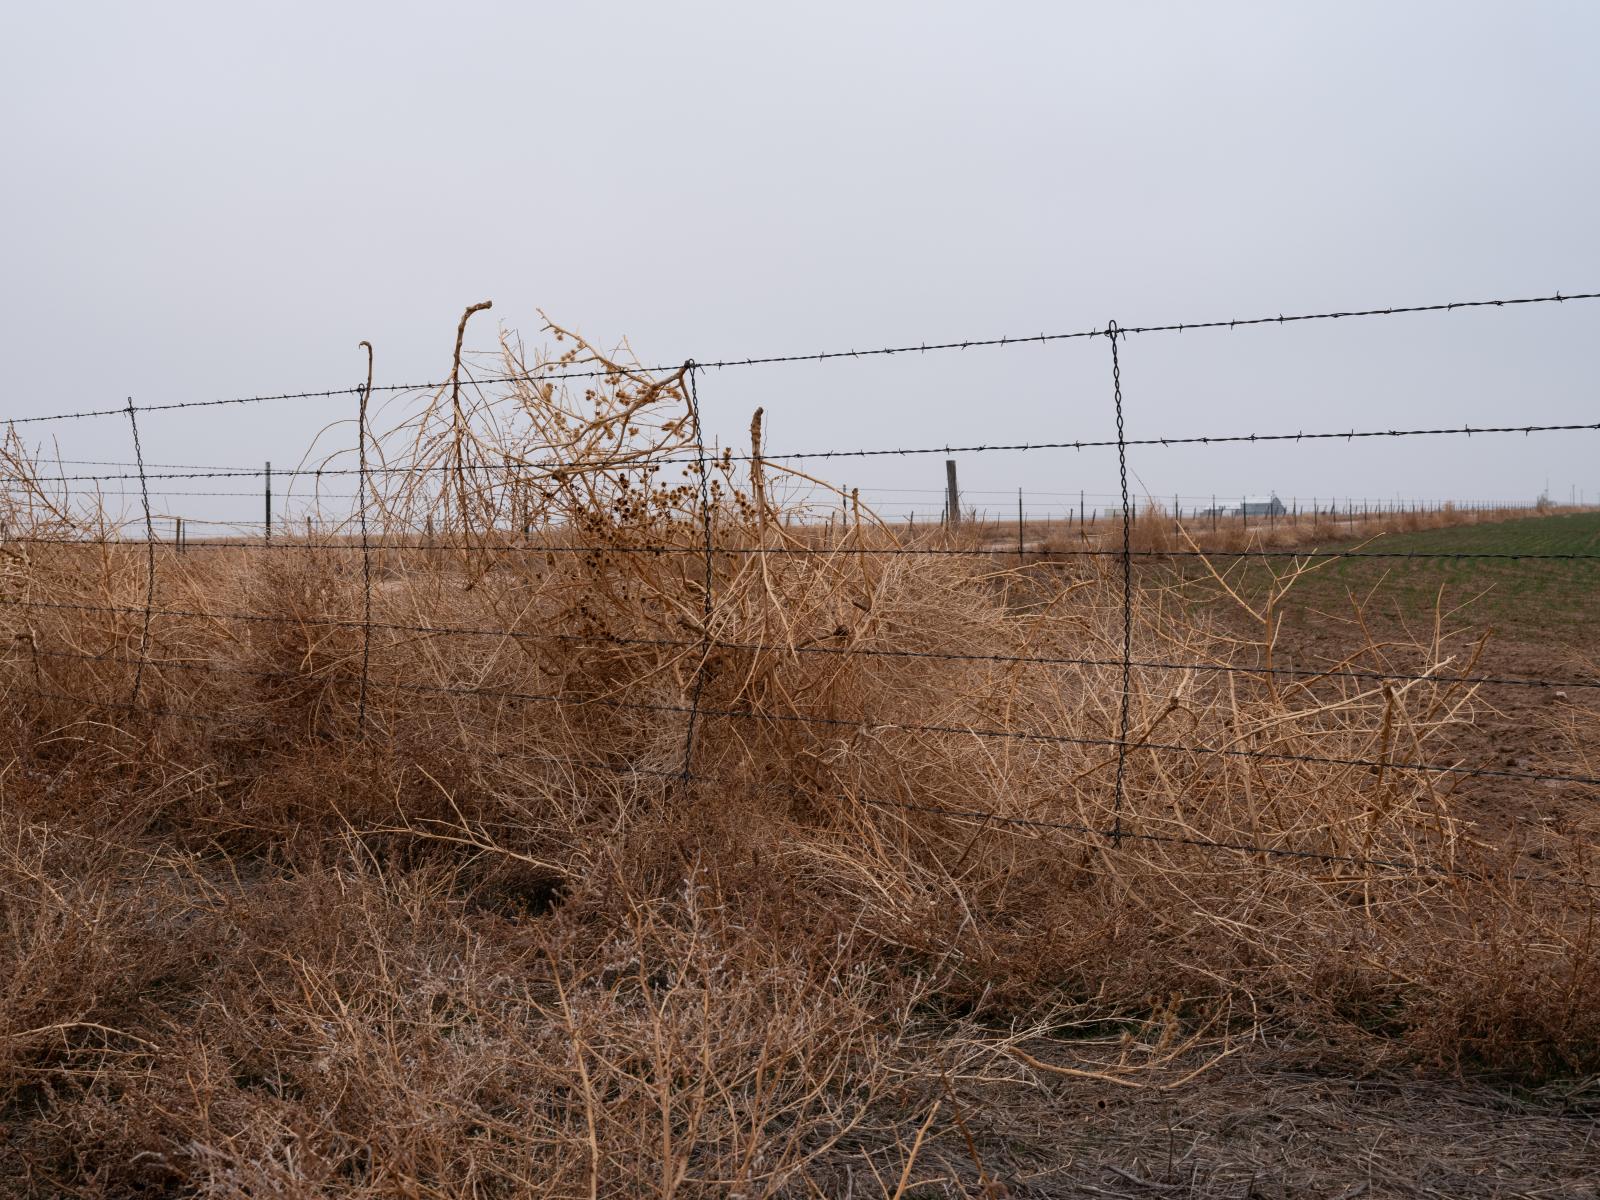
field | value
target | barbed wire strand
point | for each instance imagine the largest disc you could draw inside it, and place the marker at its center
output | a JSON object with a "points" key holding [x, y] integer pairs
{"points": [[825, 356], [591, 639], [1344, 435], [1042, 506], [1045, 555], [213, 718], [1039, 498], [867, 722], [1411, 867], [1402, 865], [862, 723]]}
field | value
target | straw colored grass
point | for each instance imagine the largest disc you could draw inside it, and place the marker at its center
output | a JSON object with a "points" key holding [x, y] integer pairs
{"points": [[516, 933]]}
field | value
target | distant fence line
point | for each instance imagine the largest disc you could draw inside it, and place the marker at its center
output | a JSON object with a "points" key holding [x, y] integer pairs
{"points": [[1031, 507]]}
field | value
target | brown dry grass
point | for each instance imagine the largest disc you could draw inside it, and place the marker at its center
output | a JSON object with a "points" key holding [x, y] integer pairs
{"points": [[490, 942]]}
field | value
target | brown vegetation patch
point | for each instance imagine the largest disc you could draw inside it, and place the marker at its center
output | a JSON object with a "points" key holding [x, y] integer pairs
{"points": [[493, 924]]}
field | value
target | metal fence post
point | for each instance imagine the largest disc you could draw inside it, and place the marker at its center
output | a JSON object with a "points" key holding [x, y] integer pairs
{"points": [[1123, 723]]}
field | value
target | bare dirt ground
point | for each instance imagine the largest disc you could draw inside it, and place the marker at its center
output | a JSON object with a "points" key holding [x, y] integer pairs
{"points": [[1272, 1122], [1516, 728]]}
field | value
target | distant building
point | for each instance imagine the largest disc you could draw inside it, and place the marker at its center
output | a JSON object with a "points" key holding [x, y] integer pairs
{"points": [[1250, 506], [1261, 506]]}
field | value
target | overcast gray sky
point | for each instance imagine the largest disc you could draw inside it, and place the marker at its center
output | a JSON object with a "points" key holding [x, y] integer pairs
{"points": [[208, 200]]}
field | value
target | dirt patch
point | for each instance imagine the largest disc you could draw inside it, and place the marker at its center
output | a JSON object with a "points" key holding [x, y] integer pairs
{"points": [[1517, 728], [1273, 1123]]}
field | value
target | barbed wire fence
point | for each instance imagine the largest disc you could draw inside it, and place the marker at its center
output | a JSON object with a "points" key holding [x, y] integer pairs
{"points": [[1122, 551]]}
